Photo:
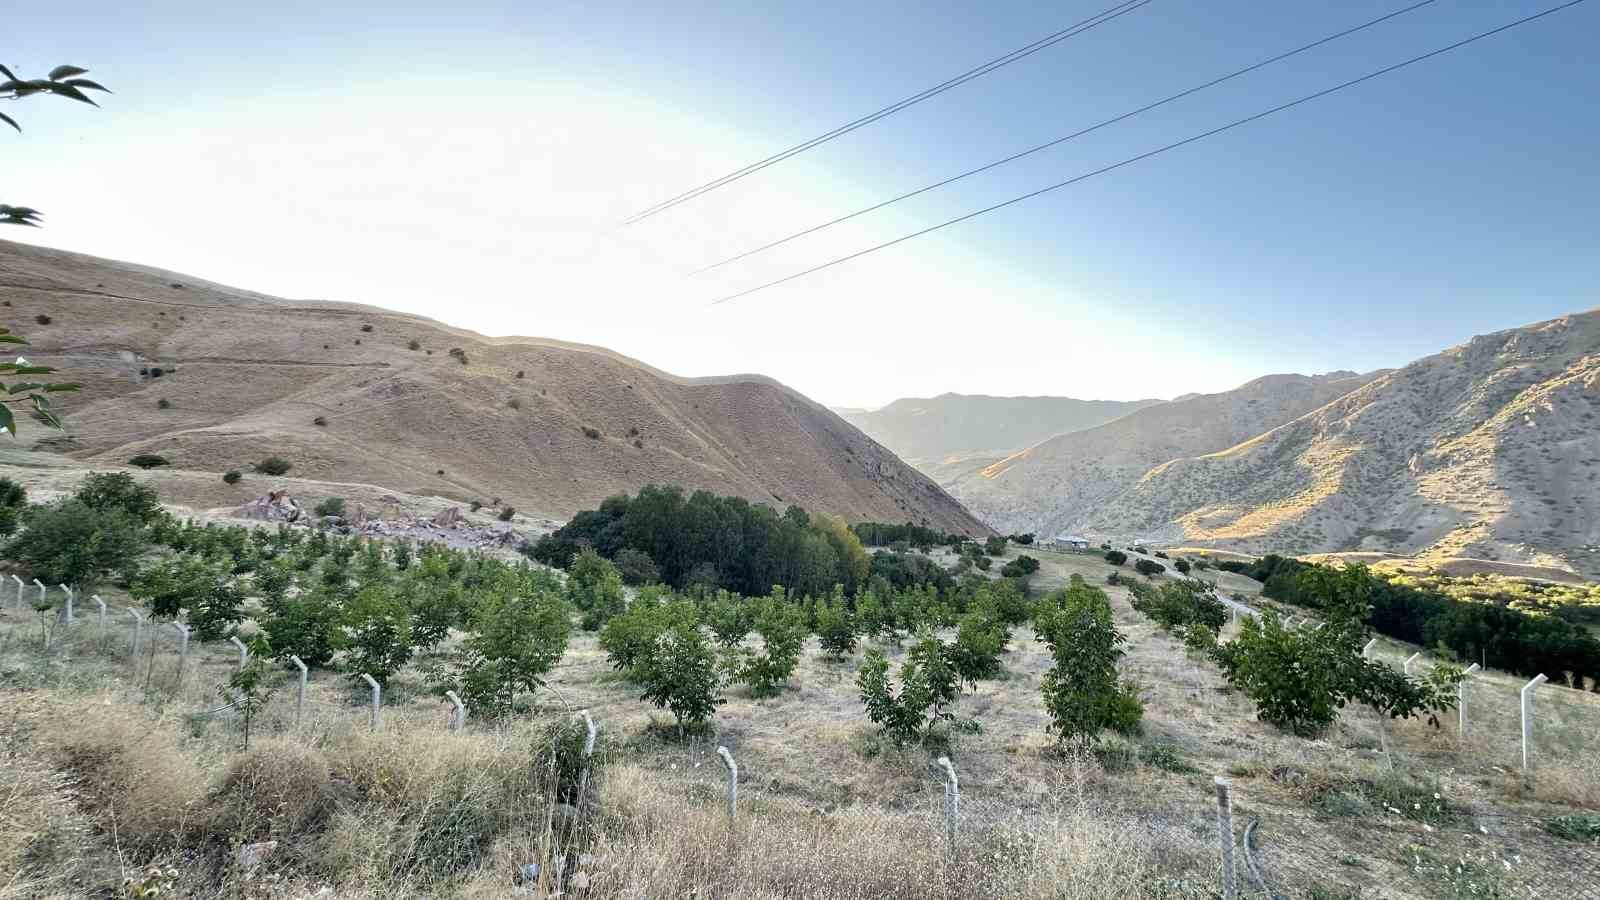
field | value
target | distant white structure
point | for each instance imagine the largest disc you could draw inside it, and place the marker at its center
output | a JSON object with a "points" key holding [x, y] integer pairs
{"points": [[1069, 542]]}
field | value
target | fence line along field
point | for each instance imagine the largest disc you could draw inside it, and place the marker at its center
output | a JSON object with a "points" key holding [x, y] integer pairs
{"points": [[1085, 723]]}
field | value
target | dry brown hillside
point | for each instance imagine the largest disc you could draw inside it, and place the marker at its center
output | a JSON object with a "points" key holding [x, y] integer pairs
{"points": [[245, 375], [1063, 483], [1490, 449]]}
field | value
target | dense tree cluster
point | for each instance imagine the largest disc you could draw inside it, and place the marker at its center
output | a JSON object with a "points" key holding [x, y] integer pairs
{"points": [[884, 534], [1497, 636], [708, 541]]}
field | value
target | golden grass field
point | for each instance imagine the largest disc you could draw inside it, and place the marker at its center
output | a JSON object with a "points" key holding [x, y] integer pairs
{"points": [[108, 769]]}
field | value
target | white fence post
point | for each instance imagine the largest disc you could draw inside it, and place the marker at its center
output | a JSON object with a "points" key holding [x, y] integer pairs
{"points": [[19, 590], [66, 611], [377, 700], [183, 648], [102, 604], [138, 631], [458, 713], [1527, 719], [733, 781], [1230, 882], [1409, 660], [1367, 650], [952, 801], [300, 693], [244, 652], [40, 585], [588, 751], [1461, 698]]}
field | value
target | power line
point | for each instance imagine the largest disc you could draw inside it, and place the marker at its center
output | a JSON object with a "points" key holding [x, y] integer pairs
{"points": [[1156, 152], [1050, 40], [1061, 140]]}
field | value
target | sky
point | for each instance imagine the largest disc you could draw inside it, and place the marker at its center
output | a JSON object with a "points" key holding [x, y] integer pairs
{"points": [[475, 162]]}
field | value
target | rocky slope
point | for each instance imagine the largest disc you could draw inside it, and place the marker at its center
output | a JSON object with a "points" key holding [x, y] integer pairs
{"points": [[350, 393], [950, 428], [1489, 450], [1068, 481]]}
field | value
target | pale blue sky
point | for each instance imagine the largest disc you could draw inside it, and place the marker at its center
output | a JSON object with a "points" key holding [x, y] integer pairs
{"points": [[470, 161]]}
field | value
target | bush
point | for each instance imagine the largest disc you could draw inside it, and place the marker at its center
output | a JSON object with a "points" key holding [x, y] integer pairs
{"points": [[206, 590], [928, 687], [1021, 567], [379, 633], [118, 490], [836, 628], [592, 434], [994, 546], [594, 586], [231, 477], [636, 567], [320, 421], [42, 319], [1160, 555], [148, 461], [730, 618], [1175, 605], [1182, 565], [514, 403], [477, 505], [163, 403], [517, 638], [1575, 827], [1116, 557], [1148, 567], [279, 788], [459, 354], [413, 344], [679, 673], [367, 327], [783, 634], [975, 655], [1081, 691], [70, 542], [507, 513], [309, 625], [330, 507], [521, 373], [273, 465]]}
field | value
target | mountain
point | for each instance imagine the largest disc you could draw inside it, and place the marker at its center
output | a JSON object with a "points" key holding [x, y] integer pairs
{"points": [[1067, 482], [1490, 450], [338, 390], [950, 428]]}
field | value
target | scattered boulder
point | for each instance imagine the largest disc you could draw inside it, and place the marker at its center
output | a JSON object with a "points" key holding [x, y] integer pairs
{"points": [[274, 506], [449, 517]]}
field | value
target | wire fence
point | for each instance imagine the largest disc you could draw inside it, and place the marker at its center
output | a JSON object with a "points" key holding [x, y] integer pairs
{"points": [[1269, 852]]}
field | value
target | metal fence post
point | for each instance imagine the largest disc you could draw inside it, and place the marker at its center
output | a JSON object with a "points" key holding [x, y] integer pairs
{"points": [[1367, 650], [1230, 881], [300, 693], [66, 611], [1527, 719], [952, 801], [40, 585], [377, 700], [1406, 667], [458, 712], [588, 751], [183, 648], [733, 781], [19, 590], [102, 604], [244, 652], [1461, 698], [138, 631]]}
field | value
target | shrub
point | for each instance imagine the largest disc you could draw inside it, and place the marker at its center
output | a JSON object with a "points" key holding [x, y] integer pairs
{"points": [[119, 490], [459, 354], [975, 655], [1575, 827], [507, 513], [594, 586], [1182, 565], [309, 625], [330, 507], [636, 567], [42, 319], [1160, 555], [679, 673], [366, 327], [413, 344], [70, 542], [592, 434], [280, 788], [477, 505], [514, 403], [320, 421], [1175, 605], [517, 638], [148, 461], [206, 590], [836, 628], [1081, 691], [994, 546], [783, 634], [1148, 567], [1021, 567], [521, 373], [730, 618], [163, 403], [1116, 557], [898, 714], [273, 465], [983, 563], [379, 633]]}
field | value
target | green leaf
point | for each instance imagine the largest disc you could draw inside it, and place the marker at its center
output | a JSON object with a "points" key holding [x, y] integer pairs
{"points": [[86, 83], [10, 121], [63, 386], [33, 370], [42, 407], [66, 90], [11, 339], [7, 420], [60, 72], [24, 386]]}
